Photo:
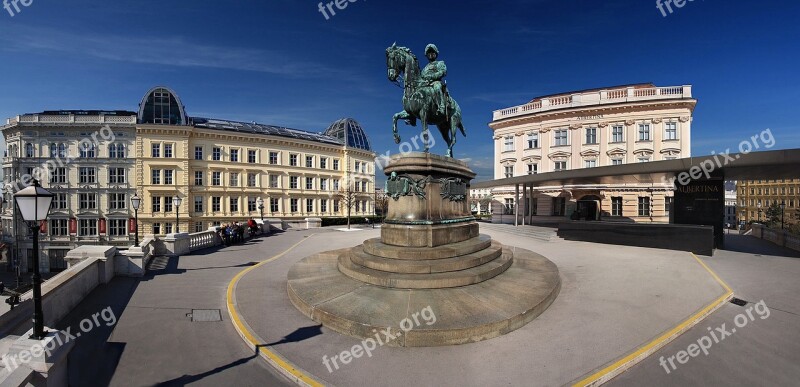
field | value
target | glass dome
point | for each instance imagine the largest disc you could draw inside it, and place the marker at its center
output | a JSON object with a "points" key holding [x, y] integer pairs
{"points": [[349, 131], [162, 106]]}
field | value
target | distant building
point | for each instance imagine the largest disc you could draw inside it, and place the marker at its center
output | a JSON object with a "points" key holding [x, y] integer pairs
{"points": [[481, 200], [756, 196], [587, 129], [730, 204]]}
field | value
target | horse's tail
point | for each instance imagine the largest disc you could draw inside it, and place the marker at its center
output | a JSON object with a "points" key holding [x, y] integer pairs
{"points": [[461, 126]]}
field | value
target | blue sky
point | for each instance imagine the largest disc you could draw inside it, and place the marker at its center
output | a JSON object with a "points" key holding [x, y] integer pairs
{"points": [[281, 62]]}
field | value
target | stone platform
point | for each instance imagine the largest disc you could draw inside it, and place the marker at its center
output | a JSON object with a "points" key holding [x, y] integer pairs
{"points": [[463, 314]]}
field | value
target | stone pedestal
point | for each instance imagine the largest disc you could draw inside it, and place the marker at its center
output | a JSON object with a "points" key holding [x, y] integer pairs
{"points": [[431, 257], [47, 358]]}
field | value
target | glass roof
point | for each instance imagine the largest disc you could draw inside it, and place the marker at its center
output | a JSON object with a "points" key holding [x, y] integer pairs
{"points": [[349, 129], [271, 130]]}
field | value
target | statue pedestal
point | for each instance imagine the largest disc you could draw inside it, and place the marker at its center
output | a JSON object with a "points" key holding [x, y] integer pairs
{"points": [[430, 256]]}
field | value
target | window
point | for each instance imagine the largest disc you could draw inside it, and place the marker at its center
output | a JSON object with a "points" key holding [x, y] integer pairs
{"points": [[87, 175], [670, 131], [87, 227], [591, 135], [216, 178], [293, 205], [58, 227], [616, 134], [156, 204], [644, 132], [116, 151], [644, 159], [29, 151], [251, 179], [234, 179], [168, 228], [533, 140], [309, 205], [87, 151], [198, 153], [216, 203], [235, 155], [358, 167], [167, 204], [168, 151], [323, 184], [59, 176], [273, 158], [198, 227], [156, 176], [508, 144], [251, 204], [533, 169], [335, 206], [216, 154], [336, 185], [310, 162], [273, 205], [87, 201], [323, 205], [117, 201], [644, 206], [364, 186], [293, 182], [157, 228], [560, 166], [323, 162], [198, 178], [509, 207], [59, 201], [309, 183], [335, 164], [234, 204], [273, 181], [155, 150], [616, 206], [509, 171], [251, 156], [616, 162], [168, 176], [116, 227], [292, 160], [561, 137], [591, 163], [358, 206], [116, 175], [198, 204]]}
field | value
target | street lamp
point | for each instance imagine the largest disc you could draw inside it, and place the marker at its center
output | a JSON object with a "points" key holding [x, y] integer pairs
{"points": [[783, 208], [34, 204], [759, 212], [176, 202], [136, 201], [260, 203]]}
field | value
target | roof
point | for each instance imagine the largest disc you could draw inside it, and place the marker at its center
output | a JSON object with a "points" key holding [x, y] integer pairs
{"points": [[348, 129], [124, 113], [633, 85], [262, 129]]}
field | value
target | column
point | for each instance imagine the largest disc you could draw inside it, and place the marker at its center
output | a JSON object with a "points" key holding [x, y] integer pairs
{"points": [[516, 204]]}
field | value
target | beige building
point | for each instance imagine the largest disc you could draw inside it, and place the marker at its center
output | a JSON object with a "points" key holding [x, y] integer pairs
{"points": [[95, 161], [756, 196], [587, 129]]}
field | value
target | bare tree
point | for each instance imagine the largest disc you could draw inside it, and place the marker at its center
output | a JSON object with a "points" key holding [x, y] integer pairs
{"points": [[348, 196]]}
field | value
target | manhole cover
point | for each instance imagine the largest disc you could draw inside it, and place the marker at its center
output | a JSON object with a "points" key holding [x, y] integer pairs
{"points": [[739, 302], [206, 315]]}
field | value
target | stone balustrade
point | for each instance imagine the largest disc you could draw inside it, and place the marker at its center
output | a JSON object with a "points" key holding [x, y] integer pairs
{"points": [[779, 237], [204, 239], [598, 97]]}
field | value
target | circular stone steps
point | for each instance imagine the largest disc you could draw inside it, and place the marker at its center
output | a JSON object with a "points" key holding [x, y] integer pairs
{"points": [[426, 266], [380, 249]]}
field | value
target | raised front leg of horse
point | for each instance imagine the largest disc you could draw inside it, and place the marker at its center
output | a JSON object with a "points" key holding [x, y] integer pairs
{"points": [[399, 116]]}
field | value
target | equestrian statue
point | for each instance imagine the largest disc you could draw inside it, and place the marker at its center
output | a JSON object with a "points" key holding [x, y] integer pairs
{"points": [[425, 95]]}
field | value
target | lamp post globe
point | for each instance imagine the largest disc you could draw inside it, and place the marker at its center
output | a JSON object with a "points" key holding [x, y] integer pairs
{"points": [[176, 202], [260, 203], [136, 201], [33, 204]]}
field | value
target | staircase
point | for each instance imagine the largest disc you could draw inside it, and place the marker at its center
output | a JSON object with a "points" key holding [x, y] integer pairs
{"points": [[546, 234]]}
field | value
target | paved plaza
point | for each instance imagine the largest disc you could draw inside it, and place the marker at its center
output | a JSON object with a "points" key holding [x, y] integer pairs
{"points": [[613, 300]]}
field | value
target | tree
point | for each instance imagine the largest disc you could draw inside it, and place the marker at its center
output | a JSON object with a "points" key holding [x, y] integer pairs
{"points": [[486, 201], [382, 203], [347, 195], [773, 214]]}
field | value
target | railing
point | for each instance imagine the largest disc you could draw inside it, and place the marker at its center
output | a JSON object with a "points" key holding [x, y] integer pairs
{"points": [[600, 97], [71, 118], [779, 237], [204, 240]]}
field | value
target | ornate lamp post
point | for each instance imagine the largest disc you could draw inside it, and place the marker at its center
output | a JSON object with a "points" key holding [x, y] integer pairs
{"points": [[136, 201], [260, 203], [759, 212], [34, 204], [176, 202], [783, 210]]}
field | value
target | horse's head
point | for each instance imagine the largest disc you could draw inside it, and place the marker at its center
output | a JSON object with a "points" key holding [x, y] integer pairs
{"points": [[397, 59]]}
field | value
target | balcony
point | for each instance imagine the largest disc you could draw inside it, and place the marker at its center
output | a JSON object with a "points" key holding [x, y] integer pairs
{"points": [[595, 98]]}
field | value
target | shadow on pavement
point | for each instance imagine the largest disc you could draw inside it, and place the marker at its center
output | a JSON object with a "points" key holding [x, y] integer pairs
{"points": [[300, 334], [751, 245], [186, 379]]}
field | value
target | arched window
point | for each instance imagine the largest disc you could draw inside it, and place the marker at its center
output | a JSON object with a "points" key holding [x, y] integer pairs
{"points": [[87, 151], [116, 151], [53, 150], [62, 150], [29, 150], [162, 106], [121, 151]]}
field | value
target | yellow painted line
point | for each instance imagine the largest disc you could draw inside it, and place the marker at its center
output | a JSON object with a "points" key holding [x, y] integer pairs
{"points": [[276, 360], [626, 362]]}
